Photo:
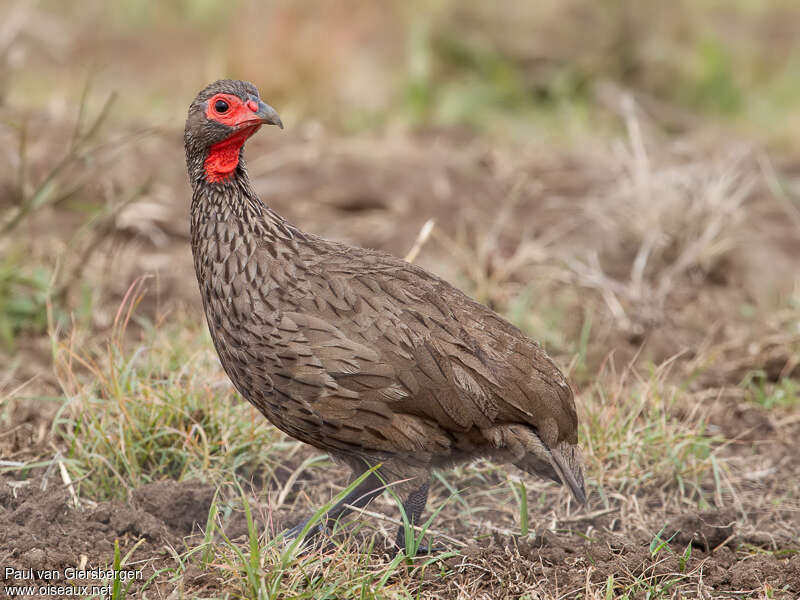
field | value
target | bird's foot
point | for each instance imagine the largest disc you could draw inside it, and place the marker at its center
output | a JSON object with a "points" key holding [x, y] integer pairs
{"points": [[422, 550], [294, 532], [312, 540]]}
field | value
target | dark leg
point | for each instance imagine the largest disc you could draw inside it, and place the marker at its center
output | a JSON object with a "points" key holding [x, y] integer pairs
{"points": [[413, 507], [368, 489]]}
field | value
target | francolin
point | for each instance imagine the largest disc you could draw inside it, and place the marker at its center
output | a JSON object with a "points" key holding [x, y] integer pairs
{"points": [[354, 351]]}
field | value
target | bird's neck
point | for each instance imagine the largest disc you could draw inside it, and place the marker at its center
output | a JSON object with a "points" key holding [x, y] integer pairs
{"points": [[233, 201], [235, 238]]}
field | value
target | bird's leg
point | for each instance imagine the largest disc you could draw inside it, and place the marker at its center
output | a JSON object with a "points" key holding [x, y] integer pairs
{"points": [[359, 497], [413, 507]]}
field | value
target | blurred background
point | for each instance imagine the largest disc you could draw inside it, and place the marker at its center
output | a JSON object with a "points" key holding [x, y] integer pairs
{"points": [[560, 146], [620, 179], [519, 69], [554, 116]]}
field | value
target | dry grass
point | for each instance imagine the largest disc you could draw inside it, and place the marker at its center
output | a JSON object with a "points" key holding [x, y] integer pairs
{"points": [[688, 221]]}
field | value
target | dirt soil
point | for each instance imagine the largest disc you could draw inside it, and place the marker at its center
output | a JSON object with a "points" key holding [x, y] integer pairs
{"points": [[570, 564], [43, 529]]}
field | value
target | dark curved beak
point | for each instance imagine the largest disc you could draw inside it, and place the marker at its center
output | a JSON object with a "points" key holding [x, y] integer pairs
{"points": [[266, 114]]}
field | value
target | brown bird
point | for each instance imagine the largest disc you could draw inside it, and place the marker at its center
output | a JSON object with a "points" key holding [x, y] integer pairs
{"points": [[358, 352]]}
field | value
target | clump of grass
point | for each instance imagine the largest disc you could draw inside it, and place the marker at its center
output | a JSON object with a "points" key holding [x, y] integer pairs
{"points": [[267, 566], [160, 408], [783, 393], [635, 444], [688, 217]]}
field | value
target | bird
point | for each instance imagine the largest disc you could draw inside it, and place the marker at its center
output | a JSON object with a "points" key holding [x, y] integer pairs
{"points": [[387, 367]]}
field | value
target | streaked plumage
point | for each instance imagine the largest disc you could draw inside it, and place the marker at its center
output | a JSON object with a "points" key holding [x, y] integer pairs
{"points": [[361, 354]]}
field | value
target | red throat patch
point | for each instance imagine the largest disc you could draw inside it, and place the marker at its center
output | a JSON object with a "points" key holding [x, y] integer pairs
{"points": [[230, 110], [223, 157]]}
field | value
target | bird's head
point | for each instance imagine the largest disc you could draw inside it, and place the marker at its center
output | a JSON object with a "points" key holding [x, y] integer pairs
{"points": [[220, 120]]}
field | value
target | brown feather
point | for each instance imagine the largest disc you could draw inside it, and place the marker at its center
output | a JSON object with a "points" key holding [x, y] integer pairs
{"points": [[364, 355]]}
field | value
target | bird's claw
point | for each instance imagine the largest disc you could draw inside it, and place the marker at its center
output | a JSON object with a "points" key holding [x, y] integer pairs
{"points": [[422, 550]]}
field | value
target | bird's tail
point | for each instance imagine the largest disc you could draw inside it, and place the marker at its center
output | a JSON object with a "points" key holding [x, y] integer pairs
{"points": [[567, 462], [563, 463]]}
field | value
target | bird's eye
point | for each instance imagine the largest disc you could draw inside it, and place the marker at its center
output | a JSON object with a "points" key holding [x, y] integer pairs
{"points": [[221, 106]]}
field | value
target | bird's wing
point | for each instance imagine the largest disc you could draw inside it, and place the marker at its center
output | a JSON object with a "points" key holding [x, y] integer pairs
{"points": [[390, 341], [341, 393], [420, 364], [480, 369]]}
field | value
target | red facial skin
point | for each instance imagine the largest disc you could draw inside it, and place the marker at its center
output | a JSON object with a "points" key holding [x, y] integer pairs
{"points": [[223, 157]]}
